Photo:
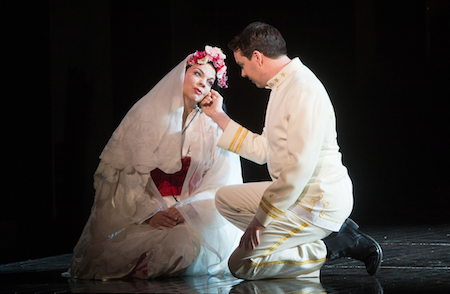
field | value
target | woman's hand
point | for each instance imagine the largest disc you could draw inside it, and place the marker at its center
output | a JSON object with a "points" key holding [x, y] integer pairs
{"points": [[167, 218], [176, 215]]}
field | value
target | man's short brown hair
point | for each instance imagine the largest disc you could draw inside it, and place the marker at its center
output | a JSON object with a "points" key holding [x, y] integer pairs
{"points": [[261, 37]]}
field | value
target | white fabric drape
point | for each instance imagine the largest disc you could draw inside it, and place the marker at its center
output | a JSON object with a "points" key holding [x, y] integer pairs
{"points": [[150, 136]]}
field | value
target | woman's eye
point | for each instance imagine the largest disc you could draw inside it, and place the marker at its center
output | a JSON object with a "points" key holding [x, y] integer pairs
{"points": [[197, 73]]}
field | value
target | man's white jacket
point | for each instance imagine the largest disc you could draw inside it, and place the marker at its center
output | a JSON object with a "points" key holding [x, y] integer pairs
{"points": [[299, 145]]}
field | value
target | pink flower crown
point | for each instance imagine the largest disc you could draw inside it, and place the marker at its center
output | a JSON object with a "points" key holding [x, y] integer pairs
{"points": [[216, 56]]}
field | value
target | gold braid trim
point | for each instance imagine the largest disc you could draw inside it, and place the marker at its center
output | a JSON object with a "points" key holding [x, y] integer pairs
{"points": [[241, 140], [274, 216], [291, 262], [236, 136], [271, 206], [284, 238]]}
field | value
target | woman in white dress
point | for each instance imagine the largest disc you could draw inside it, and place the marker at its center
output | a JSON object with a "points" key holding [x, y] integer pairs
{"points": [[154, 213]]}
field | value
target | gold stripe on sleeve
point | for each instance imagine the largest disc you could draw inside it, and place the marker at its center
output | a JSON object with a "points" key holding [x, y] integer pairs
{"points": [[274, 216], [241, 140], [284, 238], [271, 206], [236, 136]]}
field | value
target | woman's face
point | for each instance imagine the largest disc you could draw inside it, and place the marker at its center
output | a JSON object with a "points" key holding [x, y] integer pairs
{"points": [[198, 81]]}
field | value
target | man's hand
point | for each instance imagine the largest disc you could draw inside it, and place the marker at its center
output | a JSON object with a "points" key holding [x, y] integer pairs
{"points": [[212, 106], [212, 103], [250, 239], [169, 218]]}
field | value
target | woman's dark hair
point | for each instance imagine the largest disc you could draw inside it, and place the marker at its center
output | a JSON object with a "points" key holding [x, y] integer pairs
{"points": [[261, 37]]}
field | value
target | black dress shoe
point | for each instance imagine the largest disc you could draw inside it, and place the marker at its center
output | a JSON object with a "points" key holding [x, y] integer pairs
{"points": [[351, 242]]}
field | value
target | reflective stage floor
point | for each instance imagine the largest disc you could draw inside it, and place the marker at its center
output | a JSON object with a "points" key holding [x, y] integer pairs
{"points": [[416, 260]]}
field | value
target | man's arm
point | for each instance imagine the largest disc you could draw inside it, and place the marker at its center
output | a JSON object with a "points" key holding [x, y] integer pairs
{"points": [[235, 137]]}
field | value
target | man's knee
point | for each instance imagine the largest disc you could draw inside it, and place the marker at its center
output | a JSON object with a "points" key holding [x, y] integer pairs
{"points": [[243, 269], [235, 265], [225, 199], [220, 200]]}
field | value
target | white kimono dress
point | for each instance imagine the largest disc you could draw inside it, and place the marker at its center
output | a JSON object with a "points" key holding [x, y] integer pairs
{"points": [[117, 242]]}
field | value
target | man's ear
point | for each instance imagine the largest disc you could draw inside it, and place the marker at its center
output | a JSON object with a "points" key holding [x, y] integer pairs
{"points": [[259, 57]]}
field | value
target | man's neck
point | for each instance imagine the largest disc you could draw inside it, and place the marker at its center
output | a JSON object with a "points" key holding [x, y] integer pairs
{"points": [[274, 66]]}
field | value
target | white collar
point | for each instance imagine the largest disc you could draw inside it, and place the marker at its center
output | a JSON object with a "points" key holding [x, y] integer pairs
{"points": [[283, 74]]}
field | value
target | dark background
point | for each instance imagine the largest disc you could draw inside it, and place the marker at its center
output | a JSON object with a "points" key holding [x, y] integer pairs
{"points": [[72, 69]]}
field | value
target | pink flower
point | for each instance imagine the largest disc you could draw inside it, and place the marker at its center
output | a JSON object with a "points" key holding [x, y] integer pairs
{"points": [[203, 60], [215, 52]]}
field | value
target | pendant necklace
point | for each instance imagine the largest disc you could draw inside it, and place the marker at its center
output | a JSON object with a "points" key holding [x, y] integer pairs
{"points": [[190, 122]]}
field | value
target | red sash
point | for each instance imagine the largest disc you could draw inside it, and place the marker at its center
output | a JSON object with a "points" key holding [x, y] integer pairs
{"points": [[171, 184]]}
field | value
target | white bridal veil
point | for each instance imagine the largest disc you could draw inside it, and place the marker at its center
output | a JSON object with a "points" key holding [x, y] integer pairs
{"points": [[149, 137]]}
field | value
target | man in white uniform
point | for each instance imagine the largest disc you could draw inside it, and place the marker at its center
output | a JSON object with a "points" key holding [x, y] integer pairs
{"points": [[310, 196]]}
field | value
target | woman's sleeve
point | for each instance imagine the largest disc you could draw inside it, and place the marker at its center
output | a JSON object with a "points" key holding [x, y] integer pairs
{"points": [[126, 194]]}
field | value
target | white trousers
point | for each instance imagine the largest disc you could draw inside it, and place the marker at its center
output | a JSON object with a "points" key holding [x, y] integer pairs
{"points": [[290, 247]]}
